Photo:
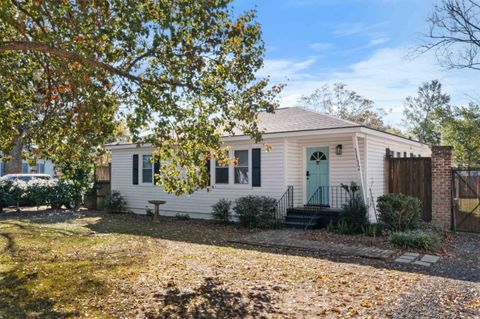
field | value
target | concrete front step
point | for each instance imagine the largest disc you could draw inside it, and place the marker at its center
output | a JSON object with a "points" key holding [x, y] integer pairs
{"points": [[315, 217], [309, 211]]}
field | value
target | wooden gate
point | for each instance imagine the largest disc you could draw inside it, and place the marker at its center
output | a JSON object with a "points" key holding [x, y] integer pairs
{"points": [[466, 199], [95, 200], [412, 176]]}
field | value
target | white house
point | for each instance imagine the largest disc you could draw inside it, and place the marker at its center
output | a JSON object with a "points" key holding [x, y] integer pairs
{"points": [[312, 152]]}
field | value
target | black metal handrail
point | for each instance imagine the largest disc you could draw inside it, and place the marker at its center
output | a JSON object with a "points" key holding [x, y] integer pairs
{"points": [[284, 203], [328, 196]]}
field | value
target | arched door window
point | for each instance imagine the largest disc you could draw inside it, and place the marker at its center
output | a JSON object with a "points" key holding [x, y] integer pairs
{"points": [[318, 156]]}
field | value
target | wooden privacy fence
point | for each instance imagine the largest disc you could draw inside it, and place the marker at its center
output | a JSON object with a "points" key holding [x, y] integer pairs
{"points": [[102, 173], [96, 199], [412, 176]]}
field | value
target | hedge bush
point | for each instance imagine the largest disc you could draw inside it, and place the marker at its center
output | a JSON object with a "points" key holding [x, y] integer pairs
{"points": [[115, 203], [38, 192], [415, 239], [256, 211], [5, 196], [221, 211], [65, 193], [399, 212]]}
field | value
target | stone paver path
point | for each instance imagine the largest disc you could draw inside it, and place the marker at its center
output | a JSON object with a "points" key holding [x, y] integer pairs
{"points": [[417, 259], [286, 238]]}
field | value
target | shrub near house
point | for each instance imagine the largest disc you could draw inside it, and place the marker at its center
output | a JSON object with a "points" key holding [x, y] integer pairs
{"points": [[415, 239], [399, 212], [256, 211], [354, 211], [115, 203], [221, 211]]}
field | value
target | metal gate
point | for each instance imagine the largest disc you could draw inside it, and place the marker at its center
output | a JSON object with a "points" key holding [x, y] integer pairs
{"points": [[466, 199]]}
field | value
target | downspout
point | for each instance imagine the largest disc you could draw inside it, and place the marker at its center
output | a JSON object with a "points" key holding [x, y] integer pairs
{"points": [[359, 168]]}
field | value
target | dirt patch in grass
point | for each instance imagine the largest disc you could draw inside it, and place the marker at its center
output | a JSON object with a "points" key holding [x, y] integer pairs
{"points": [[92, 265]]}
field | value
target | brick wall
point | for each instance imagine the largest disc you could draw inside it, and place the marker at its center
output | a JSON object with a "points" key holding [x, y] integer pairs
{"points": [[442, 161]]}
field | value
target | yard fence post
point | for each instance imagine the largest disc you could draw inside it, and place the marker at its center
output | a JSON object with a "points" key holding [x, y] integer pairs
{"points": [[442, 162]]}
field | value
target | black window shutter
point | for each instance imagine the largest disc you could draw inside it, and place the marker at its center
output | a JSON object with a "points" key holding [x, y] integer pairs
{"points": [[135, 169], [256, 167], [156, 171], [209, 178]]}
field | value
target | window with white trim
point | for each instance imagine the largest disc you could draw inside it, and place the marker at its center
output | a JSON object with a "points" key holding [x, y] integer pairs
{"points": [[41, 168], [241, 169], [147, 169], [221, 173]]}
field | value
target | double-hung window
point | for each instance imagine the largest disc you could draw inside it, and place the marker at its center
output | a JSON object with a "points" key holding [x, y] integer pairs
{"points": [[245, 169], [241, 168], [147, 169], [221, 173], [41, 168]]}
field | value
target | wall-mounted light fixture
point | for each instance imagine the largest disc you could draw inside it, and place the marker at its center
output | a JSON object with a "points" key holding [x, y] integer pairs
{"points": [[338, 149]]}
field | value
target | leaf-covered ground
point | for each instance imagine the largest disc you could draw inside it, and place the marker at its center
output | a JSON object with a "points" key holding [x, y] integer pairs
{"points": [[108, 266]]}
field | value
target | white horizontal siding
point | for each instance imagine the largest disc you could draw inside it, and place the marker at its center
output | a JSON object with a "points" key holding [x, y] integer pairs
{"points": [[342, 168], [198, 204], [283, 165]]}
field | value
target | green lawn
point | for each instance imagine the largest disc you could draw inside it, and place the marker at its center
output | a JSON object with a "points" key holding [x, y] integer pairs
{"points": [[102, 266]]}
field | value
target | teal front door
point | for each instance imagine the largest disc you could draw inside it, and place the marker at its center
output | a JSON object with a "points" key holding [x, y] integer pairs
{"points": [[317, 176]]}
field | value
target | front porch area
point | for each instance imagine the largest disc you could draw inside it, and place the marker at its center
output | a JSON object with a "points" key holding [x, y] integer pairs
{"points": [[323, 206], [316, 167]]}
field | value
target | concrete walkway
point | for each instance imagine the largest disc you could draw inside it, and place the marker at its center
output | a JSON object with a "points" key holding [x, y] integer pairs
{"points": [[287, 238]]}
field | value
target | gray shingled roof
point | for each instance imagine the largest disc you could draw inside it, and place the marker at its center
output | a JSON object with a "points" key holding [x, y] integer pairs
{"points": [[299, 119], [291, 119]]}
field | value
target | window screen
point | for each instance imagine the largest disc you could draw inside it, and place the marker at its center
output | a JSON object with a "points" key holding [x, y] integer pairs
{"points": [[147, 168], [241, 169]]}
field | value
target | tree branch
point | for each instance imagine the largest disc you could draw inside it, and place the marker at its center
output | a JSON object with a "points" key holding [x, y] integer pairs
{"points": [[87, 61]]}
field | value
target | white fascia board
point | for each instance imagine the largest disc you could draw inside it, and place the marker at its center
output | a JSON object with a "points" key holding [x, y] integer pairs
{"points": [[111, 147], [321, 132], [227, 139], [392, 137]]}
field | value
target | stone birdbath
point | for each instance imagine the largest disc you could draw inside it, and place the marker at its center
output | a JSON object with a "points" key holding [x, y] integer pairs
{"points": [[157, 204]]}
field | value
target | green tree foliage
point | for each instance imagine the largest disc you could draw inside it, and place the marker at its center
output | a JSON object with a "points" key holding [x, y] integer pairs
{"points": [[184, 72], [462, 131], [423, 113], [345, 104]]}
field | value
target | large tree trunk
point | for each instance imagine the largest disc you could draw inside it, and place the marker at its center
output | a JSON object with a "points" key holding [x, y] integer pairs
{"points": [[14, 165]]}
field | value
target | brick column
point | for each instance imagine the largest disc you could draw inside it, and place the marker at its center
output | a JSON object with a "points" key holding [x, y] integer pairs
{"points": [[442, 160]]}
